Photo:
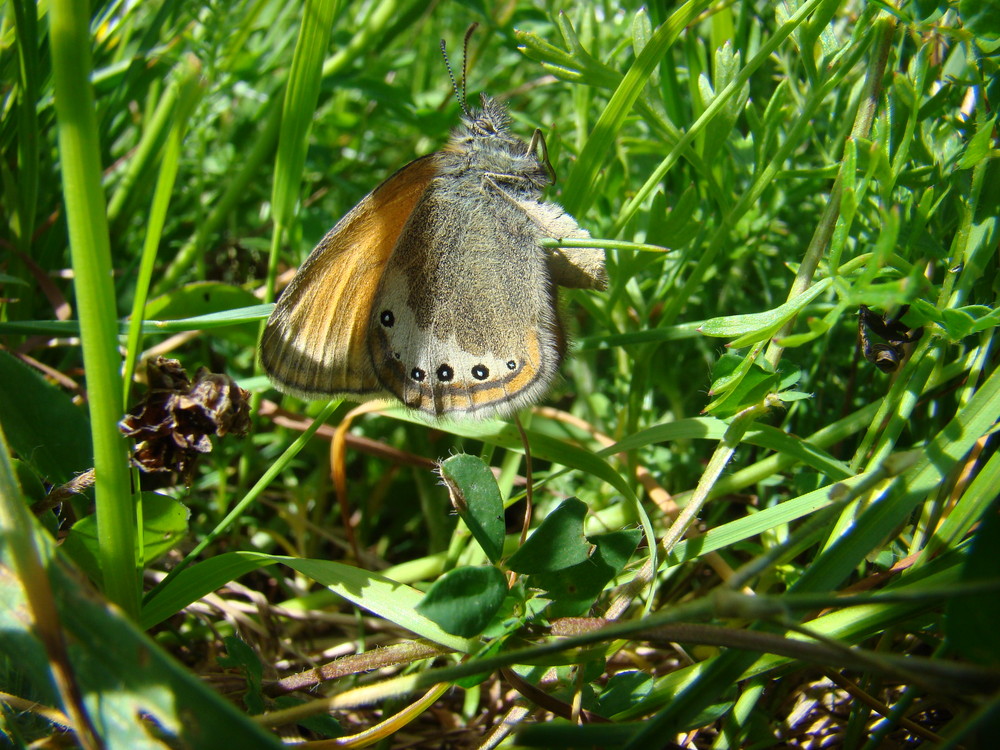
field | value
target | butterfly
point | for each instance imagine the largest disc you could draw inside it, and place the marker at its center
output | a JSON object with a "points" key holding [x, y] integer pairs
{"points": [[435, 288], [888, 356]]}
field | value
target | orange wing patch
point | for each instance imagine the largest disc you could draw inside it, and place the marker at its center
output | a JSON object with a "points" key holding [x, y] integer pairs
{"points": [[508, 386], [314, 343]]}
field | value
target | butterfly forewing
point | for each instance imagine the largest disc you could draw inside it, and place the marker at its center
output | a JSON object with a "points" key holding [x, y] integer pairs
{"points": [[315, 342]]}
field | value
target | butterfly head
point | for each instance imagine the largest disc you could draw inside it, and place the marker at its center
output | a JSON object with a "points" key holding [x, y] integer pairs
{"points": [[487, 143]]}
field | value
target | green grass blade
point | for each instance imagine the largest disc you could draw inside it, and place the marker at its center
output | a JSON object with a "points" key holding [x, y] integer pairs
{"points": [[183, 97], [79, 147], [299, 109]]}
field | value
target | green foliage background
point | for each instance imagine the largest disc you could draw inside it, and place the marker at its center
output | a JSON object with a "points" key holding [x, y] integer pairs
{"points": [[758, 171]]}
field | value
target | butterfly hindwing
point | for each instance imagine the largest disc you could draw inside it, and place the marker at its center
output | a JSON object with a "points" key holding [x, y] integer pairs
{"points": [[465, 318]]}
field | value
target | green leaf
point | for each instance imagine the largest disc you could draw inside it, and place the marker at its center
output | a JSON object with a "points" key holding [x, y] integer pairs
{"points": [[817, 328], [971, 422], [971, 621], [463, 601], [574, 589], [600, 145], [543, 446], [164, 524], [494, 645], [763, 325], [575, 64], [122, 674], [240, 656], [199, 298], [679, 222], [981, 17], [926, 8], [32, 489], [557, 543], [958, 323], [379, 595], [85, 211], [202, 299], [788, 396], [965, 321], [624, 690], [750, 389], [221, 319], [981, 142], [44, 427], [299, 107], [476, 496]]}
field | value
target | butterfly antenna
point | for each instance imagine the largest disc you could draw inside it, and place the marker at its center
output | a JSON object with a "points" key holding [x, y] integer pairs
{"points": [[465, 63], [459, 93]]}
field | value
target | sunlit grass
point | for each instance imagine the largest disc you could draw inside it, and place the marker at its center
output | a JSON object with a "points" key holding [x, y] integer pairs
{"points": [[756, 175]]}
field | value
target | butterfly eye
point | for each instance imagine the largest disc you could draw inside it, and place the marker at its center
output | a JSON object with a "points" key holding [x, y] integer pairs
{"points": [[480, 372], [445, 373], [417, 374], [386, 318], [511, 365]]}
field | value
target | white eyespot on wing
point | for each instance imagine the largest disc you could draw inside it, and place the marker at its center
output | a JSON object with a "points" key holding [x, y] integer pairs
{"points": [[435, 375]]}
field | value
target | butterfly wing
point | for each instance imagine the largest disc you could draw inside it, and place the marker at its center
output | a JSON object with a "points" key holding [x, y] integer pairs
{"points": [[465, 321], [570, 267], [314, 343]]}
